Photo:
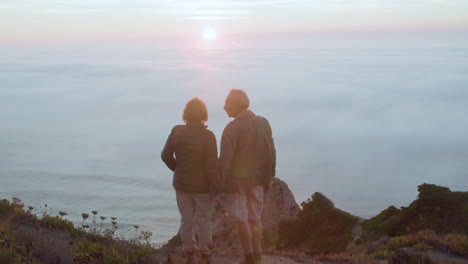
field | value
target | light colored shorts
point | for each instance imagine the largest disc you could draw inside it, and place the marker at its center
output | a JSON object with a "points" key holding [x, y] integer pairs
{"points": [[246, 206]]}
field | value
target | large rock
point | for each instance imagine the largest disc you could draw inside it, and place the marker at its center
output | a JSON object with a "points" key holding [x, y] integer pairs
{"points": [[279, 205]]}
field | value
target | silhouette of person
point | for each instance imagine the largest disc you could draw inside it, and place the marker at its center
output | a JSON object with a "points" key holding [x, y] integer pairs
{"points": [[247, 164], [191, 152]]}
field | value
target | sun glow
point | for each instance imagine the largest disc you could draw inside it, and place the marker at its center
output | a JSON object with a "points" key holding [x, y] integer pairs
{"points": [[209, 33]]}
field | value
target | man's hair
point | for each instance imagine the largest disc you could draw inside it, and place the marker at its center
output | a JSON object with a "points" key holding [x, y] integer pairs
{"points": [[195, 110], [239, 97]]}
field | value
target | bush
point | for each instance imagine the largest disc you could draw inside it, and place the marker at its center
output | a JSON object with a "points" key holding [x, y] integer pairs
{"points": [[437, 208], [118, 252], [319, 228], [12, 209], [56, 222]]}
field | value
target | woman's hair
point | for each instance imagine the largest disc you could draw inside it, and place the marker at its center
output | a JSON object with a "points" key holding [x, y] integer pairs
{"points": [[195, 110]]}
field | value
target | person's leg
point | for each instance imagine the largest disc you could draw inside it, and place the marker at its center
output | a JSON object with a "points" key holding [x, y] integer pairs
{"points": [[255, 207], [203, 211], [256, 230], [186, 207], [237, 207], [245, 236]]}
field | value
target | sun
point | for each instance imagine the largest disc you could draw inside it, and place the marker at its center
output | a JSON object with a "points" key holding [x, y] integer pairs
{"points": [[209, 33]]}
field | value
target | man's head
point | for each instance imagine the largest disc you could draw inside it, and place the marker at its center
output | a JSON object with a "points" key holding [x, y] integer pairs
{"points": [[236, 102]]}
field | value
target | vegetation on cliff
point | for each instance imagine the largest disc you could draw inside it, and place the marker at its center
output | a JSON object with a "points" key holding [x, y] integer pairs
{"points": [[319, 227], [27, 237], [437, 208], [431, 230]]}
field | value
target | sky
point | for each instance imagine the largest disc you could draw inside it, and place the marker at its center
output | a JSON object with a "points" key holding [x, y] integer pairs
{"points": [[26, 21]]}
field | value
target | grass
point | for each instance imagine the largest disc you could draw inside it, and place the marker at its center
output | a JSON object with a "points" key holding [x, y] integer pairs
{"points": [[88, 251], [26, 237], [453, 245], [427, 239], [57, 222], [422, 241]]}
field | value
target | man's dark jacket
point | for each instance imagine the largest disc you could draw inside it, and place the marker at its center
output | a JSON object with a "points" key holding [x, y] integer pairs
{"points": [[248, 155], [196, 157]]}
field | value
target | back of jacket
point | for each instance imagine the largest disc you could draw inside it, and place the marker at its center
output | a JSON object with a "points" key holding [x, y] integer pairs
{"points": [[248, 155], [191, 152]]}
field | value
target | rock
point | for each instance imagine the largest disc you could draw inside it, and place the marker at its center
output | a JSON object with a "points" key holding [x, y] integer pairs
{"points": [[378, 244], [279, 205]]}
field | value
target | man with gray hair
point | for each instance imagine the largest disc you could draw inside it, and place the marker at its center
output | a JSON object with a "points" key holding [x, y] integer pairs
{"points": [[247, 163]]}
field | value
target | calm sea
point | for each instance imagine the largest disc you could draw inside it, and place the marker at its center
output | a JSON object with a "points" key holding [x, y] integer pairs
{"points": [[82, 128]]}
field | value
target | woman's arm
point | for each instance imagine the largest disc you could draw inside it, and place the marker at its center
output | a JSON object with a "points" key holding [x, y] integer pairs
{"points": [[167, 154], [211, 163]]}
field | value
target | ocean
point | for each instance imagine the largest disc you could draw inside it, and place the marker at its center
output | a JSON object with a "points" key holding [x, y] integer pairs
{"points": [[82, 127]]}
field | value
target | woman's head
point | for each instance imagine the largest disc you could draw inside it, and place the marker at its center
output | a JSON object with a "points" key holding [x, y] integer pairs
{"points": [[195, 110]]}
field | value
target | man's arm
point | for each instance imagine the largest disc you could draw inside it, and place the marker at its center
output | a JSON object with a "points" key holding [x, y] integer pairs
{"points": [[273, 151], [167, 154], [271, 146]]}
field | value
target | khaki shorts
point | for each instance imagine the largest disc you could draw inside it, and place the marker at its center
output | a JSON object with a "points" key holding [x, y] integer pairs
{"points": [[246, 206]]}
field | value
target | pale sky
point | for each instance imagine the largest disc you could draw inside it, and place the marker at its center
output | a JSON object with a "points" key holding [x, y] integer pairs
{"points": [[44, 20]]}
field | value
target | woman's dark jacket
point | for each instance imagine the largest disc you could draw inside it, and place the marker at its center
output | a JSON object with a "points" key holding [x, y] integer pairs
{"points": [[192, 154]]}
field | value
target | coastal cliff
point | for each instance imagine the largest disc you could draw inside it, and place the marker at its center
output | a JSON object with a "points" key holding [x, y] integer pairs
{"points": [[307, 234]]}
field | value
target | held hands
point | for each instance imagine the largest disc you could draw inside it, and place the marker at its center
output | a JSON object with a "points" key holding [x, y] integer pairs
{"points": [[266, 187], [216, 193]]}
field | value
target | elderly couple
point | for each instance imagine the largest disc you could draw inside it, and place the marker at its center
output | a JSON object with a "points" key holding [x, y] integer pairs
{"points": [[243, 171]]}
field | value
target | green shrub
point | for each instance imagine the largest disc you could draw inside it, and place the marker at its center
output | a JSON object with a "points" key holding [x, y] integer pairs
{"points": [[382, 223], [425, 240], [89, 247], [457, 243], [437, 208], [56, 222], [6, 206], [319, 228], [10, 210], [141, 252], [112, 255], [118, 252]]}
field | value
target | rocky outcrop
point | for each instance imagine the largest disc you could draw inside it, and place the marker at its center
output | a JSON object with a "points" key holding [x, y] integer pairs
{"points": [[279, 205]]}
